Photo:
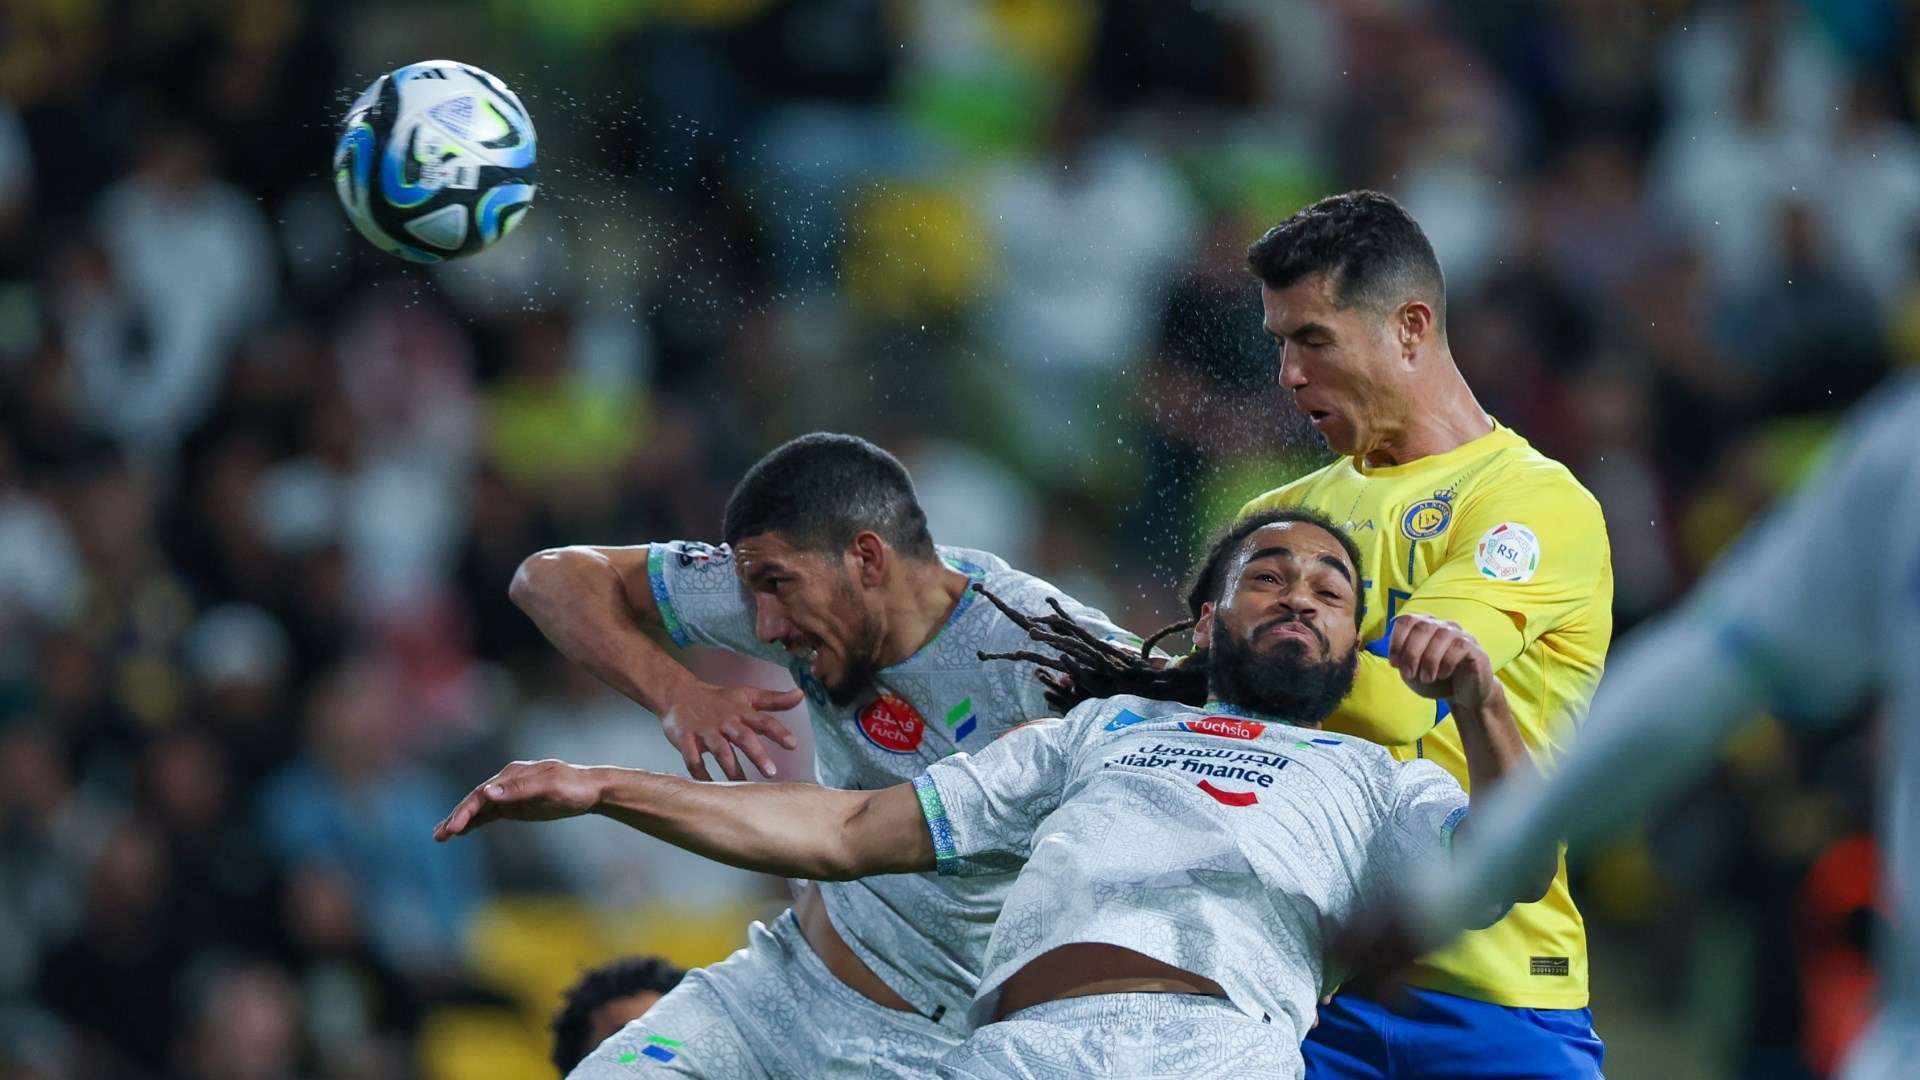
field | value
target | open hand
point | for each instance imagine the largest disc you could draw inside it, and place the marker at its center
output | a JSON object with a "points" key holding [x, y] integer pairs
{"points": [[524, 791], [715, 719]]}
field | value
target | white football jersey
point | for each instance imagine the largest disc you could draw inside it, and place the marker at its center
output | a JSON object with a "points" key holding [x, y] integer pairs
{"points": [[923, 934], [1220, 842]]}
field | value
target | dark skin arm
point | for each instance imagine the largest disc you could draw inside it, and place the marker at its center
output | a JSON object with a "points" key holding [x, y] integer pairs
{"points": [[793, 830], [1439, 659]]}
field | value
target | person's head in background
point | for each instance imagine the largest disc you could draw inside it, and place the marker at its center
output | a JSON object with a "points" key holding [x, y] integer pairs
{"points": [[1353, 294], [831, 545], [604, 1000]]}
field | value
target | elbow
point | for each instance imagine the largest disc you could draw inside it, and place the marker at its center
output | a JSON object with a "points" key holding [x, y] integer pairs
{"points": [[837, 860], [837, 868], [530, 578], [848, 852]]}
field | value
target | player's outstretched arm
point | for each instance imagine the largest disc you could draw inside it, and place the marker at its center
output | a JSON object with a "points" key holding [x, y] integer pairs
{"points": [[794, 830], [1439, 659], [596, 605]]}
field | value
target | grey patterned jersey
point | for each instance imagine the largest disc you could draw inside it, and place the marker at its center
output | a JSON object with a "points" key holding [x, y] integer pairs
{"points": [[1220, 843], [923, 934]]}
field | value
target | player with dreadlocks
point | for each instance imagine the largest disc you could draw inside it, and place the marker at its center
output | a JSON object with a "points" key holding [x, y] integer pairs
{"points": [[1177, 864], [1091, 668]]}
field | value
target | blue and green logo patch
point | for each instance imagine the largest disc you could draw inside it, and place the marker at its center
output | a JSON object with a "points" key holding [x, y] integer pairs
{"points": [[960, 719], [659, 1048]]}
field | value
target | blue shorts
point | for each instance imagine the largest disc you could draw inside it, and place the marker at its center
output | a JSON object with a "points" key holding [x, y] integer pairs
{"points": [[1445, 1036]]}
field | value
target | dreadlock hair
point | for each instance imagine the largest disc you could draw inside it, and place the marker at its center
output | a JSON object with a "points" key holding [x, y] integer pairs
{"points": [[1093, 668]]}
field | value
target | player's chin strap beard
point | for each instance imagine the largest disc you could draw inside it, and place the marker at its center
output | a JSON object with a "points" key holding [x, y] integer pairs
{"points": [[1094, 668]]}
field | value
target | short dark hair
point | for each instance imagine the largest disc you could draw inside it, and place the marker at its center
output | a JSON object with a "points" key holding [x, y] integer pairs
{"points": [[819, 491], [620, 978], [1371, 250], [1209, 584]]}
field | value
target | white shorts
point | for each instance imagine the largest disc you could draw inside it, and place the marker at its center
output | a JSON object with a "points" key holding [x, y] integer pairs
{"points": [[1136, 1036], [772, 1010]]}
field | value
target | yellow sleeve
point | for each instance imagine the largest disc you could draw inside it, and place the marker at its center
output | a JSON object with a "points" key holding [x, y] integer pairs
{"points": [[1522, 558], [1382, 708]]}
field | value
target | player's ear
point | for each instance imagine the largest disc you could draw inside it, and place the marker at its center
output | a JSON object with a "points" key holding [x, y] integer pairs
{"points": [[869, 556], [1203, 626], [1413, 324]]}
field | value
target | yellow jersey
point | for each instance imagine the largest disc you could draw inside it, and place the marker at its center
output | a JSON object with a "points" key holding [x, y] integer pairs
{"points": [[1500, 538]]}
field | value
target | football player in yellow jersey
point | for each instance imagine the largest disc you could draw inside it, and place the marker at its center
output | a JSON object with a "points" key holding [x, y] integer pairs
{"points": [[1459, 519]]}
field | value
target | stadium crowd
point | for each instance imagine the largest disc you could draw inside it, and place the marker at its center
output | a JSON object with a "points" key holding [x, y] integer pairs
{"points": [[262, 488]]}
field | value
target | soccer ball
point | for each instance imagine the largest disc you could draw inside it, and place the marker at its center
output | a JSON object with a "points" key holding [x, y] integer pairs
{"points": [[434, 161]]}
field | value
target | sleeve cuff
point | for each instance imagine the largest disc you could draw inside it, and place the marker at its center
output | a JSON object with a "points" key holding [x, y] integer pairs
{"points": [[657, 579], [946, 857], [1451, 824]]}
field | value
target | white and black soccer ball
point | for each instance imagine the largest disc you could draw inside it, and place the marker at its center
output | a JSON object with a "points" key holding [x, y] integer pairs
{"points": [[435, 160]]}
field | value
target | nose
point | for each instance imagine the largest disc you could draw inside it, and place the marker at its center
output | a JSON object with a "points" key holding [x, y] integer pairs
{"points": [[770, 623], [1301, 602], [1293, 375]]}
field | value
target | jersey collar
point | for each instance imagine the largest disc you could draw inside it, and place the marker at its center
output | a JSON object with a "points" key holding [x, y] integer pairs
{"points": [[1245, 714], [1500, 438]]}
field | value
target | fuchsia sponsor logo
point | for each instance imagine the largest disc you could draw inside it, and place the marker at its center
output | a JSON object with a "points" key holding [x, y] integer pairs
{"points": [[1227, 727], [892, 725]]}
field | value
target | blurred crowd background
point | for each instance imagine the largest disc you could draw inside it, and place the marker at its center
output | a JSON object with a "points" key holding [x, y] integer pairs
{"points": [[262, 488]]}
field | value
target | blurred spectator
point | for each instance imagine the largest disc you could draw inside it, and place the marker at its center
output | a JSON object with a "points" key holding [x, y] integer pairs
{"points": [[1809, 341], [350, 800], [239, 657], [1869, 198], [52, 831], [187, 265], [115, 980], [40, 571], [243, 1024], [1722, 177], [16, 177], [358, 1009]]}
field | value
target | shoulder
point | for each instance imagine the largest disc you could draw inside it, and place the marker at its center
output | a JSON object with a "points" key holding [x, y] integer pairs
{"points": [[694, 555], [1296, 492], [972, 561], [1029, 593], [1520, 483]]}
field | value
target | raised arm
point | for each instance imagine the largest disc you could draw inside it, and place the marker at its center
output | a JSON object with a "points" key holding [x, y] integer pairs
{"points": [[597, 606], [794, 830], [1440, 660]]}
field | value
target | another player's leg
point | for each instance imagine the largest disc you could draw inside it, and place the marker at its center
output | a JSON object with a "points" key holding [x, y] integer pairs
{"points": [[1133, 1036]]}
